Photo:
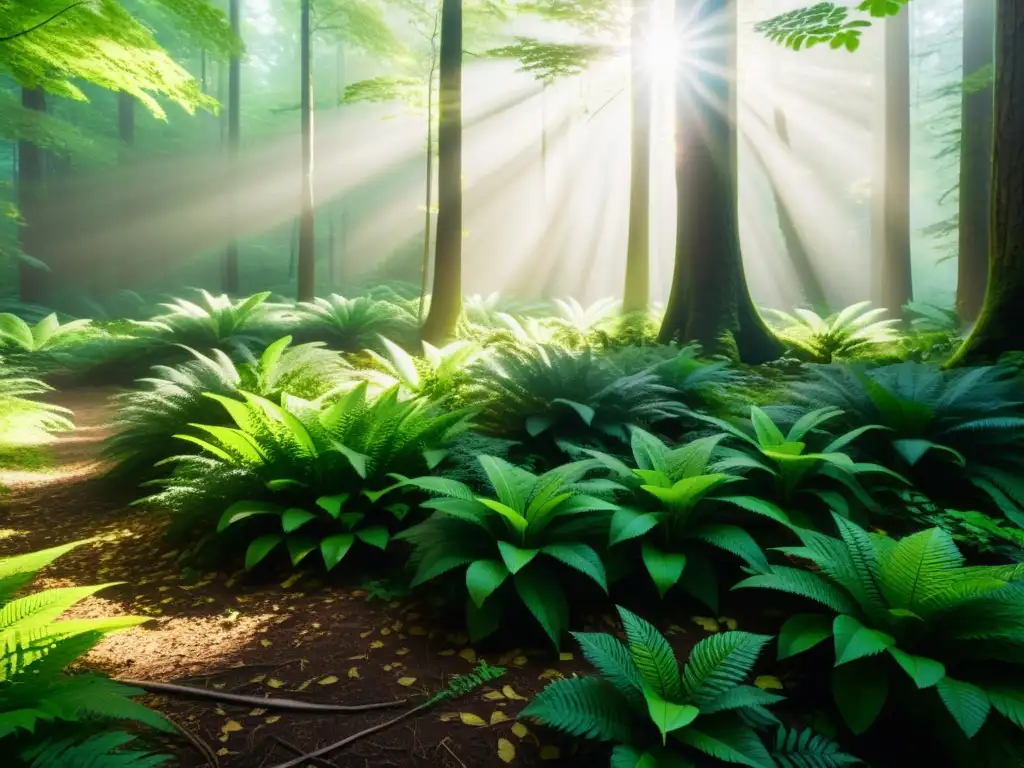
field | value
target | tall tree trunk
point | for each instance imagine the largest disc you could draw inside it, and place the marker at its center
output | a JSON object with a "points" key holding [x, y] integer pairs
{"points": [[127, 268], [999, 326], [33, 281], [231, 284], [338, 209], [638, 269], [446, 295], [709, 301], [975, 159], [892, 273], [307, 223]]}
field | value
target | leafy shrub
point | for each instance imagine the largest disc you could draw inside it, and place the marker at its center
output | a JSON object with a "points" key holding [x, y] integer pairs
{"points": [[18, 336], [671, 511], [21, 416], [176, 397], [352, 324], [854, 332], [309, 475], [521, 537], [642, 698], [439, 374], [952, 433], [912, 610], [49, 718]]}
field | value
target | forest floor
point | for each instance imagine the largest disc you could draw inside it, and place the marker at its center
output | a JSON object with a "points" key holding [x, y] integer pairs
{"points": [[298, 638]]}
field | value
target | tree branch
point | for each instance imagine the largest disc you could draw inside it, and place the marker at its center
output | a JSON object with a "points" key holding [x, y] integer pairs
{"points": [[42, 23]]}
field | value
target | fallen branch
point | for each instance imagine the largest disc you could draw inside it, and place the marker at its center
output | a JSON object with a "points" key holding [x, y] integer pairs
{"points": [[201, 746], [354, 737], [296, 751], [293, 705]]}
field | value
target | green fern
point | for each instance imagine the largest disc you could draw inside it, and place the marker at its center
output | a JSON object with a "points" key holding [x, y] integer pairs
{"points": [[807, 749], [855, 332]]}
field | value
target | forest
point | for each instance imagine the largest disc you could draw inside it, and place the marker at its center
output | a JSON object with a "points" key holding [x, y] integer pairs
{"points": [[475, 383]]}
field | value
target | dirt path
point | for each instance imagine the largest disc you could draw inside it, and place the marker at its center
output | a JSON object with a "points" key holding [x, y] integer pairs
{"points": [[295, 638]]}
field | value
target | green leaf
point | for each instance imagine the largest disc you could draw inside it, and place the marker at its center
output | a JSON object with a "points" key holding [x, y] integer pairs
{"points": [[666, 568], [720, 662], [332, 504], [686, 492], [355, 459], [299, 547], [967, 703], [803, 631], [483, 577], [668, 716], [860, 690], [652, 656], [736, 541], [628, 757], [579, 557], [242, 510], [515, 519], [545, 599], [728, 740], [374, 535], [855, 641], [586, 707], [629, 524], [538, 425], [797, 581], [334, 548], [614, 663], [516, 558], [585, 412], [923, 671], [294, 518], [916, 566], [768, 435], [259, 548], [506, 480], [1009, 702], [483, 621]]}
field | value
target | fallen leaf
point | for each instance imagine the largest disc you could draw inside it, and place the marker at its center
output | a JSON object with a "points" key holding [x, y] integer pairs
{"points": [[510, 693], [364, 635], [520, 730], [705, 622], [266, 643], [470, 719], [550, 674], [376, 644], [304, 685], [257, 712], [258, 679], [231, 726], [401, 652], [499, 717], [406, 681], [730, 624], [223, 751], [565, 657], [549, 752], [356, 658], [329, 680], [468, 654], [506, 750], [290, 581], [272, 719], [447, 717], [387, 667], [519, 660], [494, 695], [385, 632], [275, 683], [353, 673], [765, 682]]}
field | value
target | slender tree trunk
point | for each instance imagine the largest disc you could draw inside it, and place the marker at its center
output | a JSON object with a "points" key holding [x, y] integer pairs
{"points": [[231, 282], [709, 301], [999, 325], [975, 160], [126, 270], [892, 273], [638, 268], [338, 209], [446, 295], [33, 282], [307, 223]]}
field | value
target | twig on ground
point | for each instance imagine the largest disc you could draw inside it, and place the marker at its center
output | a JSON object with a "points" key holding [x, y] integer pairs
{"points": [[354, 737], [293, 705], [201, 746], [295, 750]]}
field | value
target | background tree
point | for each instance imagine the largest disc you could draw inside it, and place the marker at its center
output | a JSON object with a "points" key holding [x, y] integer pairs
{"points": [[638, 267], [234, 139]]}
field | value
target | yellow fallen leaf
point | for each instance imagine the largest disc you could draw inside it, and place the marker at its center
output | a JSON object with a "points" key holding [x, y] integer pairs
{"points": [[706, 622], [494, 695], [406, 681], [468, 654], [353, 673], [257, 712], [730, 624], [231, 726], [385, 632], [401, 652], [387, 667], [765, 682], [520, 730], [329, 680], [377, 644], [266, 643], [470, 719], [550, 674], [499, 717], [258, 679], [275, 683], [223, 751], [506, 751], [357, 658], [303, 685], [565, 657], [272, 719], [510, 693], [290, 581], [519, 661], [446, 652], [549, 752], [364, 635], [447, 717]]}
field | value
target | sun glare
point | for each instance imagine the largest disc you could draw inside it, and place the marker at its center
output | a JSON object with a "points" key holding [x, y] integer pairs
{"points": [[660, 53]]}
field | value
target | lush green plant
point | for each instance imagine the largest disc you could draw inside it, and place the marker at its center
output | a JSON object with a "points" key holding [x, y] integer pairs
{"points": [[214, 321], [439, 374], [309, 476], [22, 418], [854, 332], [908, 608], [546, 396], [520, 537], [147, 418], [18, 336], [49, 718], [676, 510], [953, 433], [642, 698], [794, 472], [352, 324]]}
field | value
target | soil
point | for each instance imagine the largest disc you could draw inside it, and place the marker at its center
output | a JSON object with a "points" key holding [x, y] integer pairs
{"points": [[295, 637]]}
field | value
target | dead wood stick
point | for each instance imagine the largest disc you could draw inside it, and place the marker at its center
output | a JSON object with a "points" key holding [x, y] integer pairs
{"points": [[201, 746]]}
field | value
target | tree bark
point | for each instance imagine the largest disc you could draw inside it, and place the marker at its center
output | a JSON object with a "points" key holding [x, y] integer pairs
{"points": [[999, 325], [709, 301], [975, 160], [126, 270], [637, 286], [446, 295], [231, 282], [33, 282], [307, 223], [892, 273]]}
